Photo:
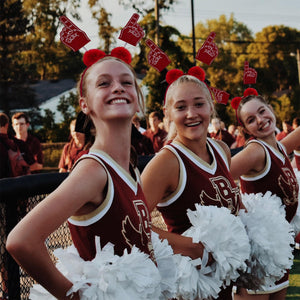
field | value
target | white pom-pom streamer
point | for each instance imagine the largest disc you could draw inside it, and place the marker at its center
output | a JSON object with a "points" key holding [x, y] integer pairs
{"points": [[295, 223], [222, 234], [164, 256], [195, 283], [108, 276], [271, 237]]}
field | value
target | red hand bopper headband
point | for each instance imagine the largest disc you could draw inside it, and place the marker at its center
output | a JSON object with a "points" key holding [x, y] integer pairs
{"points": [[75, 38], [195, 71], [92, 56], [174, 74], [235, 102]]}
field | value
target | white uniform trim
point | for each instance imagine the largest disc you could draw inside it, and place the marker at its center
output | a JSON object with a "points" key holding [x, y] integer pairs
{"points": [[120, 171], [267, 167], [181, 183], [101, 210]]}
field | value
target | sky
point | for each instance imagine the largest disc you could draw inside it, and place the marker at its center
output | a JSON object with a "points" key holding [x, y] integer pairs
{"points": [[256, 14]]}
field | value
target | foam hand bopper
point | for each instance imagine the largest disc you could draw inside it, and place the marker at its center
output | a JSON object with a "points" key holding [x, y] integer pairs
{"points": [[132, 33], [220, 96], [209, 50], [156, 57], [71, 35], [250, 74]]}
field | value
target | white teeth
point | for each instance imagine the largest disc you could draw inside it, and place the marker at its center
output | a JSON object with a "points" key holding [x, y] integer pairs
{"points": [[116, 101], [193, 124], [265, 126]]}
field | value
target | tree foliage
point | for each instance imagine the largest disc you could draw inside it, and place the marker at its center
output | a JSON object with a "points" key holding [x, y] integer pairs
{"points": [[30, 51]]}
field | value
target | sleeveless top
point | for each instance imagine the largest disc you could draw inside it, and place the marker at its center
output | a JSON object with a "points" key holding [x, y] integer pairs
{"points": [[199, 182], [277, 176], [122, 218]]}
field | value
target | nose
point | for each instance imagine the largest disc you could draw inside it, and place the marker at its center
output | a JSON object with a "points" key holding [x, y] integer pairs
{"points": [[259, 119], [117, 87], [191, 112]]}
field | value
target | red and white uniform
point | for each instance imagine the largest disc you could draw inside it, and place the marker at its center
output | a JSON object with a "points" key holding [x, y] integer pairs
{"points": [[203, 183], [122, 219], [199, 182], [279, 178]]}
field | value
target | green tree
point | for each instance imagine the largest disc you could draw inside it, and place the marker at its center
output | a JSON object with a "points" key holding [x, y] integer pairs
{"points": [[283, 108], [270, 55], [44, 53], [13, 28]]}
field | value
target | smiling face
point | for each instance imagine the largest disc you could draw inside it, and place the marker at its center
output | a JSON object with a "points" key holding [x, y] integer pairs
{"points": [[190, 109], [258, 119], [110, 91]]}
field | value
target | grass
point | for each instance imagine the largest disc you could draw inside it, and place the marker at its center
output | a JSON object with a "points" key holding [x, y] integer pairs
{"points": [[293, 292]]}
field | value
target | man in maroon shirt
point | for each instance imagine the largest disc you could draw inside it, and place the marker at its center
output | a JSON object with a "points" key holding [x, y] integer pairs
{"points": [[20, 123], [154, 133]]}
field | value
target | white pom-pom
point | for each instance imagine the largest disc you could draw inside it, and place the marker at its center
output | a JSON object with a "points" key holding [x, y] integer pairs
{"points": [[110, 277], [164, 256], [194, 283], [222, 234], [270, 237]]}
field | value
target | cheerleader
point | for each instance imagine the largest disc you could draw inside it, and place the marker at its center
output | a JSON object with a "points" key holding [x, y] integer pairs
{"points": [[102, 197], [191, 169], [262, 166]]}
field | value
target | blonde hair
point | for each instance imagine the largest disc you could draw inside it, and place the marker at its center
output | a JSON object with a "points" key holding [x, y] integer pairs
{"points": [[82, 88], [172, 132]]}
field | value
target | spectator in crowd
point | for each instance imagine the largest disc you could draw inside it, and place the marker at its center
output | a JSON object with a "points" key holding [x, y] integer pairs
{"points": [[218, 133], [9, 165], [5, 144], [240, 139], [296, 123], [141, 143], [20, 123], [154, 133], [232, 129], [286, 129], [73, 149], [137, 123]]}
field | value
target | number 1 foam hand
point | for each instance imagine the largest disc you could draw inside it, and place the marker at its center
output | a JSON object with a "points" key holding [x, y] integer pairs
{"points": [[250, 74], [156, 57], [132, 33], [71, 35], [209, 50], [220, 96]]}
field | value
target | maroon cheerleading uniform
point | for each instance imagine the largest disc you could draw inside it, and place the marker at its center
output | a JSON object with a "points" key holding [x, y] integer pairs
{"points": [[203, 183], [279, 178], [199, 182], [122, 218]]}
